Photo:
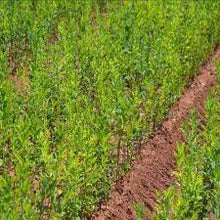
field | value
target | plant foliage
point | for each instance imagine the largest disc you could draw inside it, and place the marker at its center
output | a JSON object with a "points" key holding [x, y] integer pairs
{"points": [[79, 81]]}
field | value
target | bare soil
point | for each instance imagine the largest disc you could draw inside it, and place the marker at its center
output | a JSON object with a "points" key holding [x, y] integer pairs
{"points": [[21, 81], [152, 172]]}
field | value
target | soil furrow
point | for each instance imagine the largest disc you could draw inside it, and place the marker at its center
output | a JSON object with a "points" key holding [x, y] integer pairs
{"points": [[153, 170]]}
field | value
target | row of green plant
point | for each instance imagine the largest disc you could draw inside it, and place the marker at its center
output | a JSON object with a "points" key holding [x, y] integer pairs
{"points": [[79, 81], [196, 194]]}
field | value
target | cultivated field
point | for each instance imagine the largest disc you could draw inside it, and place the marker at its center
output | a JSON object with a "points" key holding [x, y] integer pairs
{"points": [[82, 84], [196, 194]]}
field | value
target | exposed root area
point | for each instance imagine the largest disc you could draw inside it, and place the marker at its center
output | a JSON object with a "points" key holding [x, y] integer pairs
{"points": [[153, 170]]}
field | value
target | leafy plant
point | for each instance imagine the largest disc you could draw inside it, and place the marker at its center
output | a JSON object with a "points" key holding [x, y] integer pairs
{"points": [[80, 80]]}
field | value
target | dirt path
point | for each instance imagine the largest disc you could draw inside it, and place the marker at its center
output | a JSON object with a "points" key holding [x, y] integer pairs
{"points": [[153, 171]]}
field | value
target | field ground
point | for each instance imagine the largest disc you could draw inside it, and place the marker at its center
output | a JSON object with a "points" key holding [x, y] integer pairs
{"points": [[153, 171], [196, 192], [83, 84]]}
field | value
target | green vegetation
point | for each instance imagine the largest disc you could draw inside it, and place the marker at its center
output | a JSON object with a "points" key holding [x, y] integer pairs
{"points": [[140, 211], [196, 195], [79, 81]]}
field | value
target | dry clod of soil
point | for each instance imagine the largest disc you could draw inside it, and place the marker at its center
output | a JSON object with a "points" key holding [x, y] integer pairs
{"points": [[153, 170]]}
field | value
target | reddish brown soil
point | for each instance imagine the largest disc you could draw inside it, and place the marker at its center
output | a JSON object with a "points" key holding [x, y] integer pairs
{"points": [[152, 172], [22, 82], [53, 38]]}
